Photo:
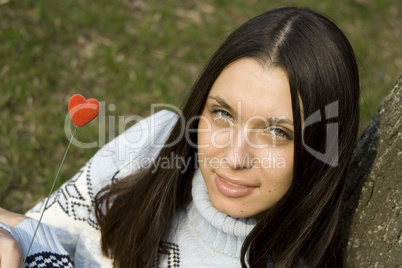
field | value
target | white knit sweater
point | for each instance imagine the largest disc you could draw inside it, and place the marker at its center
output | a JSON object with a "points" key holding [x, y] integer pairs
{"points": [[200, 235]]}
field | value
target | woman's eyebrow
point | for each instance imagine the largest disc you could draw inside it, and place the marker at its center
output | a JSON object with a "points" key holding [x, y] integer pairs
{"points": [[272, 122], [224, 104], [268, 121], [277, 121]]}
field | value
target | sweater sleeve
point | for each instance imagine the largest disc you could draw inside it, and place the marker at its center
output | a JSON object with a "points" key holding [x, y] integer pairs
{"points": [[46, 250], [69, 210]]}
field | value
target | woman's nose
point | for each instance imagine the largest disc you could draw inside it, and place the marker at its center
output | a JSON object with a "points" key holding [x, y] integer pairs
{"points": [[239, 152]]}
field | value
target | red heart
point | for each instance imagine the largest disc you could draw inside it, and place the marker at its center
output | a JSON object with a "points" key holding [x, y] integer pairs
{"points": [[82, 111]]}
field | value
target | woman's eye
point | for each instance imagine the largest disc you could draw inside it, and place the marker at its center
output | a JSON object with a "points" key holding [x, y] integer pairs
{"points": [[279, 133], [222, 115]]}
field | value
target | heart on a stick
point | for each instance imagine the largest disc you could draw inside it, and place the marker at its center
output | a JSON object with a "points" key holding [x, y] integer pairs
{"points": [[82, 111]]}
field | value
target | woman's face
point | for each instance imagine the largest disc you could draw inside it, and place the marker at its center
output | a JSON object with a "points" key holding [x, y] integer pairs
{"points": [[245, 139]]}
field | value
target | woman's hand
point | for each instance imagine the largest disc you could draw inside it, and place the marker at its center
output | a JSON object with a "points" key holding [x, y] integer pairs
{"points": [[11, 253], [10, 218]]}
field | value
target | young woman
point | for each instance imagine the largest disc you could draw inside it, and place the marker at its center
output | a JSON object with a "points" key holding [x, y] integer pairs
{"points": [[251, 173]]}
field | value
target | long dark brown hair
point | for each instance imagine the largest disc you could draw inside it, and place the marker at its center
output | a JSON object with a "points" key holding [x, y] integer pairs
{"points": [[304, 226]]}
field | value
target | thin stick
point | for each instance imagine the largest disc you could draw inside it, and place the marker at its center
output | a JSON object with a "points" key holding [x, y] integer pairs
{"points": [[50, 193]]}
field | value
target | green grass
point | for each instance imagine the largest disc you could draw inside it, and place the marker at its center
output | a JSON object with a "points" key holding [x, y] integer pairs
{"points": [[132, 54]]}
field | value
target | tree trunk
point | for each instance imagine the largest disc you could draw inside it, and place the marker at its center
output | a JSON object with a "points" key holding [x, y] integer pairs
{"points": [[372, 207]]}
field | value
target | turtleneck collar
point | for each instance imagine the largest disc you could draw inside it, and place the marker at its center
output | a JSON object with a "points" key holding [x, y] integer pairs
{"points": [[219, 230]]}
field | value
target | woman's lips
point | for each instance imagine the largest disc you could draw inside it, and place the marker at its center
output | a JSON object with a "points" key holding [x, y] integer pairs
{"points": [[233, 188]]}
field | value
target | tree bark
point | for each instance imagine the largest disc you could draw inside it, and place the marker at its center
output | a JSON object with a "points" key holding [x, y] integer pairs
{"points": [[372, 207]]}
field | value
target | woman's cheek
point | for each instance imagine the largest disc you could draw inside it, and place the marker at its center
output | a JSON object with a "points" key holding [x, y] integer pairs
{"points": [[221, 138]]}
